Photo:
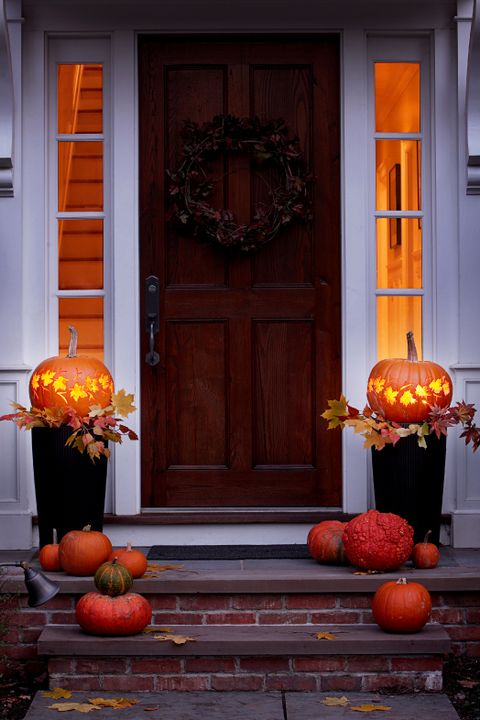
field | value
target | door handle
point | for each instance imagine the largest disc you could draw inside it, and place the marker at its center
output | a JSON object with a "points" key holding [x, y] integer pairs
{"points": [[152, 320]]}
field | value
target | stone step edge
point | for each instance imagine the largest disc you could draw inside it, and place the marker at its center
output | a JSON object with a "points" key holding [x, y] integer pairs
{"points": [[218, 640]]}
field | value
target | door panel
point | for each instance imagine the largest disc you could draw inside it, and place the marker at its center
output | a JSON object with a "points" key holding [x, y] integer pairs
{"points": [[249, 345]]}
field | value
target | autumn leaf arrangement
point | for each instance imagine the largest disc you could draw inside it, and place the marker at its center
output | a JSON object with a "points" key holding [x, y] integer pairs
{"points": [[90, 432], [378, 432]]}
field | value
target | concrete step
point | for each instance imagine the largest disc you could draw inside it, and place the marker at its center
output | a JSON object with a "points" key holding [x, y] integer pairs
{"points": [[245, 706]]}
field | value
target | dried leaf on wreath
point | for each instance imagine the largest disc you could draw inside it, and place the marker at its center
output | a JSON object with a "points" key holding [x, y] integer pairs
{"points": [[176, 639], [119, 702], [368, 707], [333, 701], [325, 636], [57, 693], [80, 707]]}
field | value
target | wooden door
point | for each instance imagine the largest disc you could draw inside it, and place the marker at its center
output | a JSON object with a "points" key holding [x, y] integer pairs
{"points": [[249, 345]]}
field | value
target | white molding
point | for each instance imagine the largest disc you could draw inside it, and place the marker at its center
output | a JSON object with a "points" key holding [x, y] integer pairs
{"points": [[6, 107], [473, 105]]}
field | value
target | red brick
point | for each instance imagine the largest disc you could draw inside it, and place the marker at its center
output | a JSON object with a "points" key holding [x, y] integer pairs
{"points": [[163, 602], [330, 663], [127, 683], [209, 664], [290, 618], [400, 664], [448, 616], [367, 663], [473, 616], [22, 652], [356, 601], [75, 683], [231, 683], [61, 665], [264, 664], [147, 666], [29, 635], [335, 618], [460, 599], [366, 618], [62, 618], [350, 683], [472, 649], [463, 632], [377, 683], [299, 683], [27, 619], [428, 682], [257, 602], [312, 602], [91, 666], [164, 619], [204, 602], [60, 602], [182, 683], [12, 636], [230, 618]]}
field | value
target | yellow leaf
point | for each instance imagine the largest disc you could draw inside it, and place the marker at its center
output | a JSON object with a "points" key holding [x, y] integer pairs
{"points": [[112, 702], [56, 693], [337, 413], [370, 708], [155, 567], [156, 629], [123, 403], [176, 639], [66, 707], [325, 636], [335, 701]]}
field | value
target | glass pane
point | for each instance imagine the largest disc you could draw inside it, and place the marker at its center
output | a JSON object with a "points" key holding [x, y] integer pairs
{"points": [[398, 175], [80, 176], [80, 99], [395, 317], [80, 254], [86, 314], [399, 253], [397, 97]]}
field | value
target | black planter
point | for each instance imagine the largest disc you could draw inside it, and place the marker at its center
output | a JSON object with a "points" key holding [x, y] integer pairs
{"points": [[69, 487], [408, 481]]}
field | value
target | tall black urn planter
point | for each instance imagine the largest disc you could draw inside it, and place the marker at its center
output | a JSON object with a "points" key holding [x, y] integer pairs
{"points": [[69, 487], [408, 481]]}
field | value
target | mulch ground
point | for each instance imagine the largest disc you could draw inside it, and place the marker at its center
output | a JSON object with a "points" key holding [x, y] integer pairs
{"points": [[461, 684]]}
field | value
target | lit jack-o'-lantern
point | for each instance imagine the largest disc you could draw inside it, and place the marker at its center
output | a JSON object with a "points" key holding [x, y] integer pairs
{"points": [[76, 381], [403, 390]]}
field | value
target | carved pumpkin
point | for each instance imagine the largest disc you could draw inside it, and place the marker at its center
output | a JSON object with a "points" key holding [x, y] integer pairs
{"points": [[378, 541], [83, 551], [425, 554], [49, 557], [113, 579], [401, 606], [325, 544], [131, 558], [76, 381], [104, 615], [403, 390]]}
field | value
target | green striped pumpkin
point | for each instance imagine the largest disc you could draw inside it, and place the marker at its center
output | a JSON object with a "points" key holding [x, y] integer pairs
{"points": [[113, 579]]}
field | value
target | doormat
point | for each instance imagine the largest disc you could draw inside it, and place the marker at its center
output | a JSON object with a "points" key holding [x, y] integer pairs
{"points": [[227, 552]]}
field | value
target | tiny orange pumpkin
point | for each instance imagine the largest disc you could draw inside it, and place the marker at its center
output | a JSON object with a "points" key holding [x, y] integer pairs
{"points": [[131, 558], [425, 555], [48, 555]]}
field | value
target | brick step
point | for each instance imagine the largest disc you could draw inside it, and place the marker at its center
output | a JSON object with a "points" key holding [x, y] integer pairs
{"points": [[267, 706], [358, 658]]}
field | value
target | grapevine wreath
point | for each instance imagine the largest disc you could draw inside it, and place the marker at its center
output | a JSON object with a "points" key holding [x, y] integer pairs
{"points": [[267, 145]]}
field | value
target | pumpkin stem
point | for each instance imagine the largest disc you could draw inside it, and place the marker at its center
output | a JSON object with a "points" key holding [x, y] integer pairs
{"points": [[411, 348], [87, 528], [129, 546], [402, 581], [425, 539], [54, 536], [72, 345], [114, 561]]}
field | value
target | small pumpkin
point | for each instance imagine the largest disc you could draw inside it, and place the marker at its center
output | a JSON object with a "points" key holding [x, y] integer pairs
{"points": [[325, 544], [402, 390], [101, 614], [113, 579], [425, 555], [76, 381], [83, 551], [401, 606], [378, 541], [48, 555], [131, 558]]}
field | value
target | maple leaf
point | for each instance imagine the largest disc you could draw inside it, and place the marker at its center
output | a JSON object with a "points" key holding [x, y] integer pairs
{"points": [[369, 707], [465, 412], [120, 702], [176, 639], [80, 707], [155, 629], [47, 377], [335, 701], [322, 635], [78, 391], [56, 693], [123, 403], [337, 413]]}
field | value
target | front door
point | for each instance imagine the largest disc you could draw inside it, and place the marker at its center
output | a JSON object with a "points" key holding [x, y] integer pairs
{"points": [[249, 345]]}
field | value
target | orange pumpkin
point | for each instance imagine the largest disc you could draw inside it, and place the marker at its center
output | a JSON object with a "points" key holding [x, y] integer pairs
{"points": [[83, 551], [76, 381], [134, 560], [402, 390], [121, 615], [401, 606], [49, 557], [325, 543], [425, 555]]}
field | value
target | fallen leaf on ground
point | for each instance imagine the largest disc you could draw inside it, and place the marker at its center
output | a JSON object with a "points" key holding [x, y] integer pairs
{"points": [[177, 639], [335, 701], [156, 567], [325, 636], [151, 708], [369, 708], [112, 702], [156, 629], [57, 693], [80, 707]]}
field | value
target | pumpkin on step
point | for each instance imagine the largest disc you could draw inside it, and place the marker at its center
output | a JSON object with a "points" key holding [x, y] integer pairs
{"points": [[401, 606], [425, 555], [113, 579], [325, 544], [49, 557], [131, 558], [378, 541], [83, 551], [101, 614]]}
